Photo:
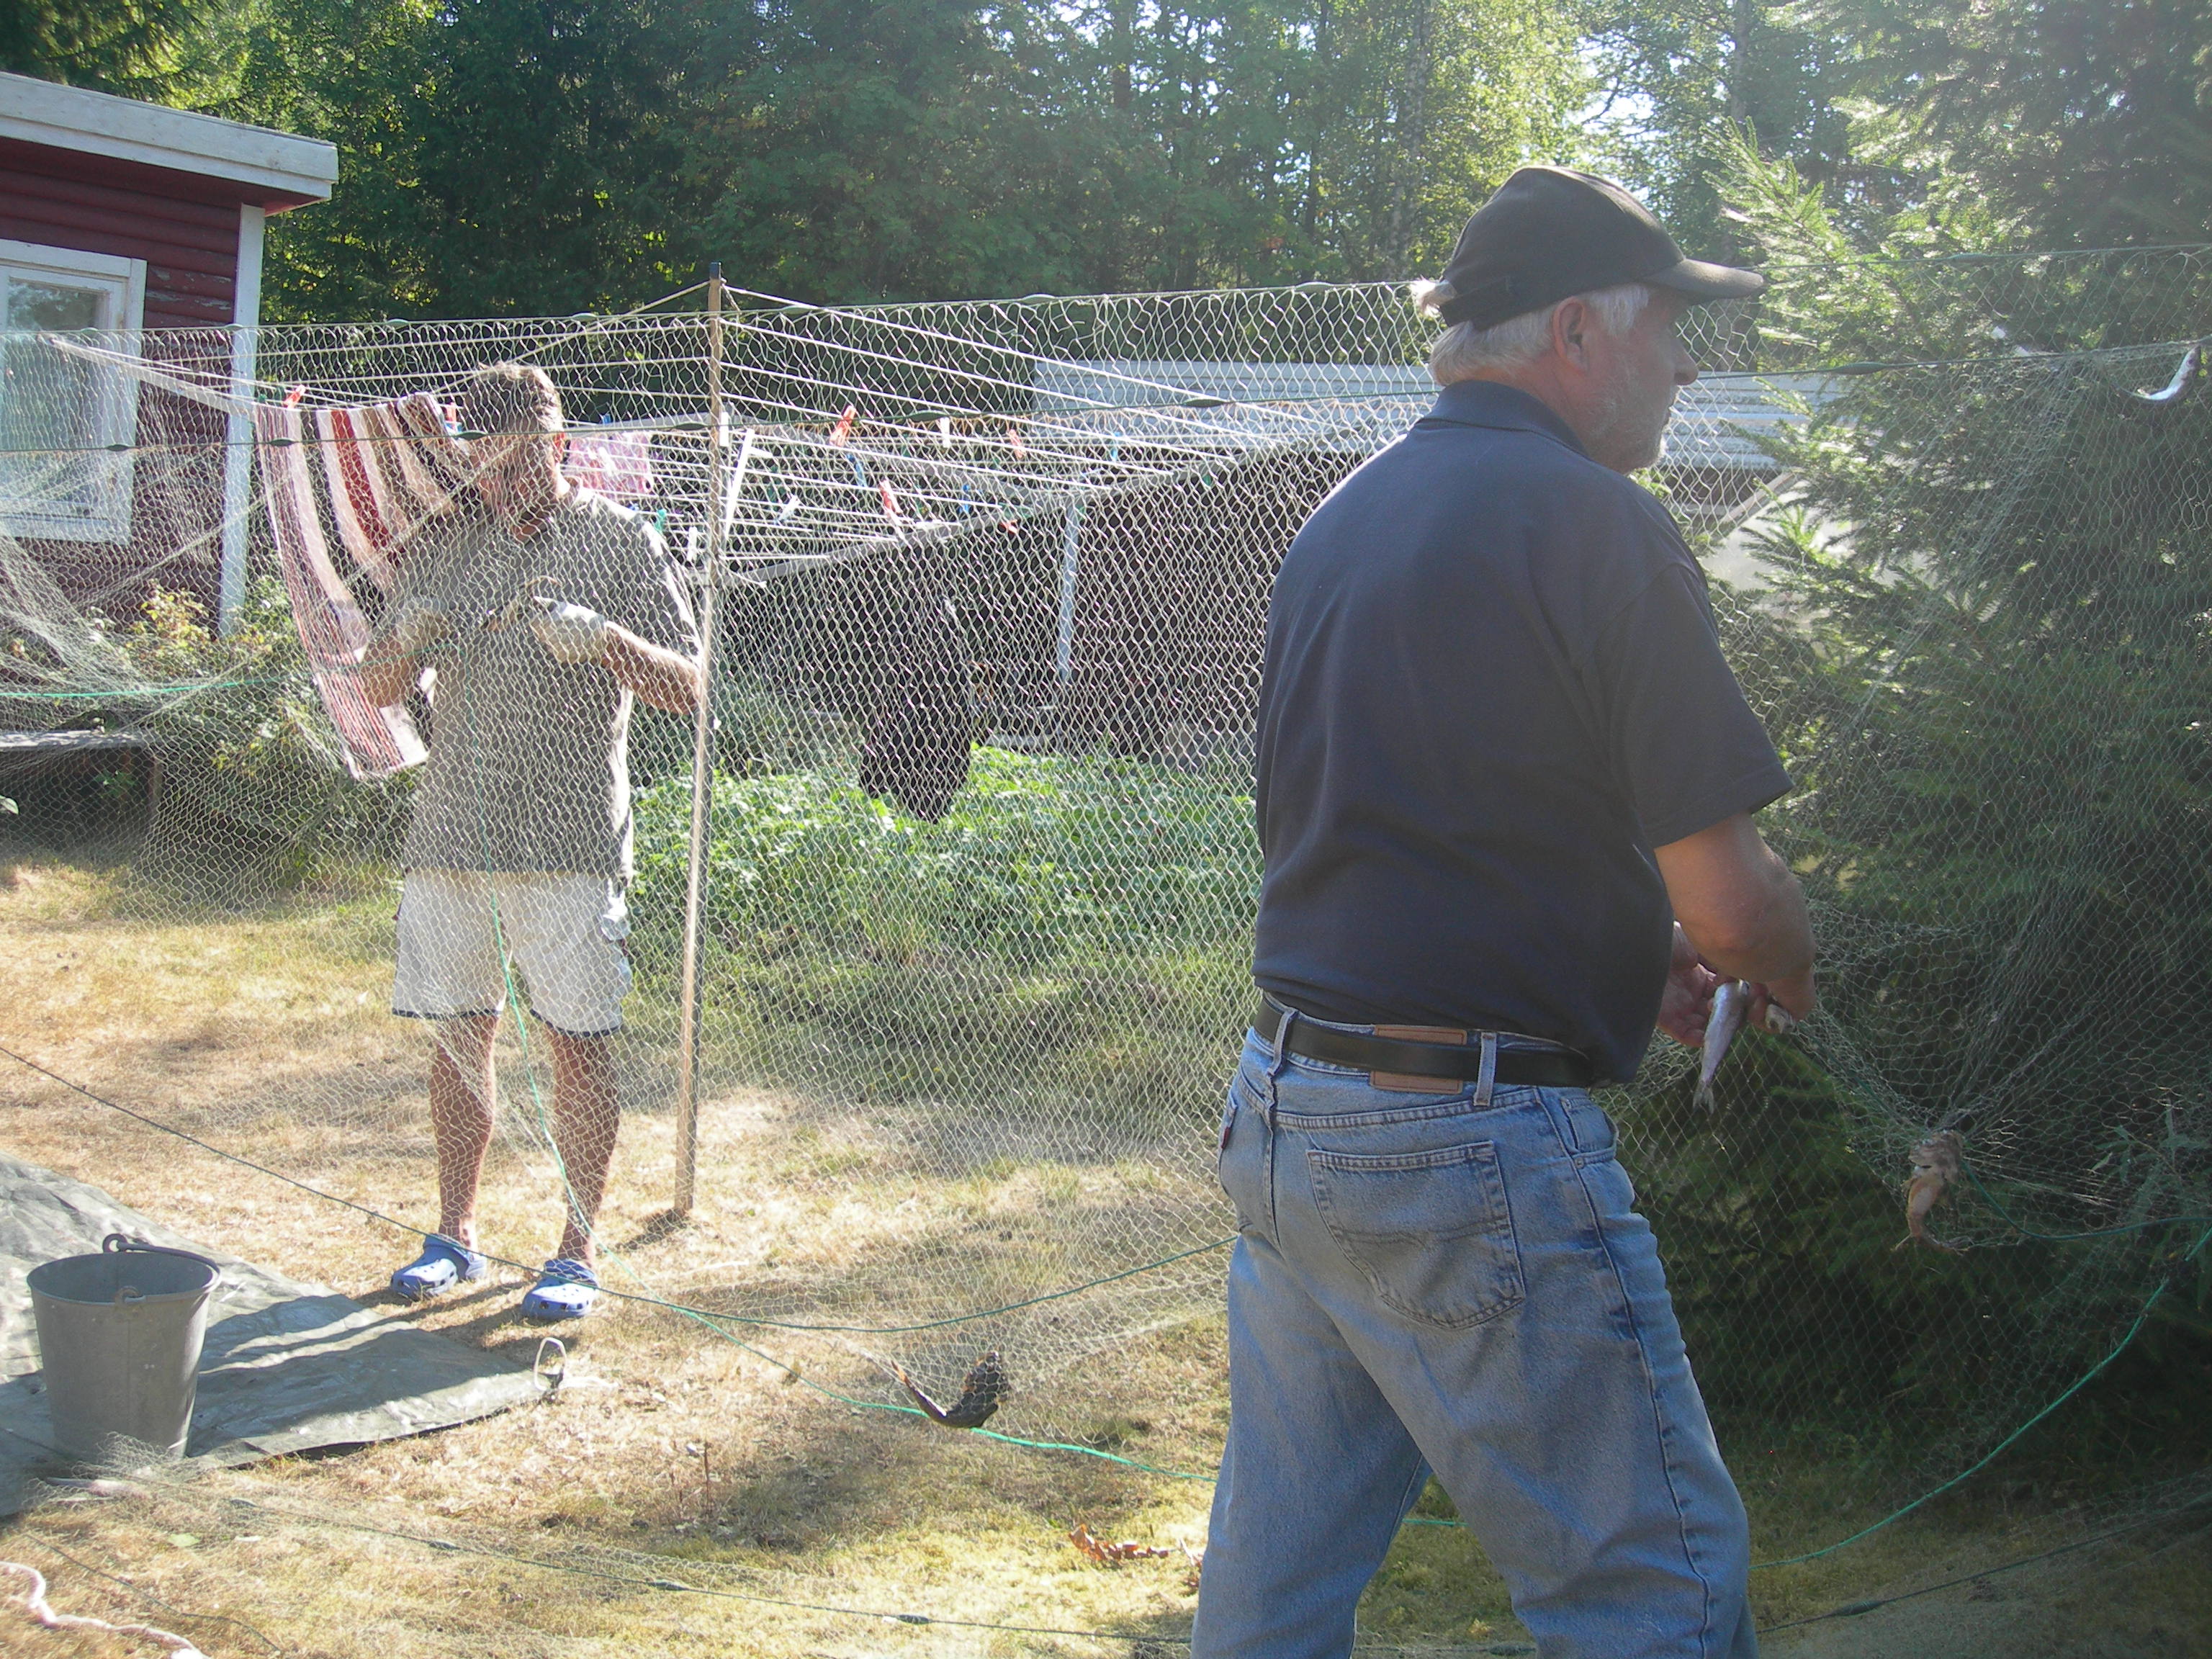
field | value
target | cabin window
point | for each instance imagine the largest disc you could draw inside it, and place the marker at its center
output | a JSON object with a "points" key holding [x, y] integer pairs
{"points": [[62, 476]]}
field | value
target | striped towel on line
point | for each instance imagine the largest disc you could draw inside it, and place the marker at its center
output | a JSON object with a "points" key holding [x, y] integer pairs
{"points": [[366, 479]]}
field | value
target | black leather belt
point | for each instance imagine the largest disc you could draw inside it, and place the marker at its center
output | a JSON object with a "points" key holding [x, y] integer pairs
{"points": [[1549, 1068]]}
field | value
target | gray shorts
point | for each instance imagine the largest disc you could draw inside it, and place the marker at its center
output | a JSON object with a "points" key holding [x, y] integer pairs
{"points": [[460, 930]]}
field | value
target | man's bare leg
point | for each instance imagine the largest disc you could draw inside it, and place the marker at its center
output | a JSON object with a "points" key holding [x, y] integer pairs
{"points": [[585, 1119], [461, 1117]]}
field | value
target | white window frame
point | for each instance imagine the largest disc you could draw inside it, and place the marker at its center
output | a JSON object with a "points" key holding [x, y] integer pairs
{"points": [[125, 282]]}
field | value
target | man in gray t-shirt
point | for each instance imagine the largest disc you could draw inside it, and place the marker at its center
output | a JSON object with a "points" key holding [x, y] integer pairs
{"points": [[529, 755], [536, 615]]}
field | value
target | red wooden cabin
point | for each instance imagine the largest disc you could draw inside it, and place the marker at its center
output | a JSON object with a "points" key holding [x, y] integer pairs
{"points": [[131, 217]]}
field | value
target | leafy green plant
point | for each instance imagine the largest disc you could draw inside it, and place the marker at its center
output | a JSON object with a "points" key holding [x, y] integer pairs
{"points": [[1081, 922]]}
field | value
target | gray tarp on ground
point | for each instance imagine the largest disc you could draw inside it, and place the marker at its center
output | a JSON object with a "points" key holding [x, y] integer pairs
{"points": [[286, 1366]]}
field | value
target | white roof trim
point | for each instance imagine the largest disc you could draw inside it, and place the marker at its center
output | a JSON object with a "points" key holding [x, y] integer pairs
{"points": [[101, 123]]}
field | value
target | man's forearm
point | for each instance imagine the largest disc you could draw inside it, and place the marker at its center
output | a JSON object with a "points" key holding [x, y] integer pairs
{"points": [[667, 680], [1742, 909], [1775, 946], [1772, 942], [388, 674]]}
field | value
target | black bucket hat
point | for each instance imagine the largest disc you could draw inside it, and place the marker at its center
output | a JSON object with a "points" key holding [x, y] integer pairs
{"points": [[1552, 232]]}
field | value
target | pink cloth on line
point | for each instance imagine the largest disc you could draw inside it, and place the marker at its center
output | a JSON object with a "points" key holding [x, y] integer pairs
{"points": [[617, 465], [383, 470]]}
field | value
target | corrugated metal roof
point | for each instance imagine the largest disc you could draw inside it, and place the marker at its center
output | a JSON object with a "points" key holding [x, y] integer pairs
{"points": [[1718, 421], [1136, 383]]}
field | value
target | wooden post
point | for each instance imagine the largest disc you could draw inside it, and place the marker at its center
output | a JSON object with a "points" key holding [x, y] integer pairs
{"points": [[702, 750]]}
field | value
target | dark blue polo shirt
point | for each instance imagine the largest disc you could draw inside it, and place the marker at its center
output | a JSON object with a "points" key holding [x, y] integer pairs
{"points": [[1492, 686]]}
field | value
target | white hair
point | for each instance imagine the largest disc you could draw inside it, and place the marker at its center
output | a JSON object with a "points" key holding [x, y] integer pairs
{"points": [[1464, 351]]}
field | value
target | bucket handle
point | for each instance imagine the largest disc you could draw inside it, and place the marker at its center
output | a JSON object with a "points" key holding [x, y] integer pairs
{"points": [[124, 1244], [117, 1244]]}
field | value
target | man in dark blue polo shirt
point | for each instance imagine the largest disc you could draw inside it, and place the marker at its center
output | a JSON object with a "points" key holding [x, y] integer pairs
{"points": [[1505, 778]]}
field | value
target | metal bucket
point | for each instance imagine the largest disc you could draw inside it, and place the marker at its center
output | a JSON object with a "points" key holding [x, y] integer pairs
{"points": [[119, 1337]]}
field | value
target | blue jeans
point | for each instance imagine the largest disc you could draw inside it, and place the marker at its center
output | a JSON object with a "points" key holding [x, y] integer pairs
{"points": [[1456, 1282]]}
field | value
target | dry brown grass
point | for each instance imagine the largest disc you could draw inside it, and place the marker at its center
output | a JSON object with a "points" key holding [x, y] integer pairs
{"points": [[669, 1452], [665, 1441]]}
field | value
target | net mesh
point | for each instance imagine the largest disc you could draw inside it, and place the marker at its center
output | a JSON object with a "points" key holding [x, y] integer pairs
{"points": [[978, 868]]}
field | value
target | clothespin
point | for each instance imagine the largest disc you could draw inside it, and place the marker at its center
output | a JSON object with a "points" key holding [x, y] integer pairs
{"points": [[966, 508], [1014, 437], [790, 506], [890, 501], [843, 429], [292, 397], [945, 431], [860, 472]]}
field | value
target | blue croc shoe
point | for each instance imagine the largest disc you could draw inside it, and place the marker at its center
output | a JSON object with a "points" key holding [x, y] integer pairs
{"points": [[566, 1289], [444, 1263]]}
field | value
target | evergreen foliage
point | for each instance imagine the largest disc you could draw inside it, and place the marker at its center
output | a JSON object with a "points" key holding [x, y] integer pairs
{"points": [[496, 158], [2035, 123], [166, 49], [1985, 657], [553, 155], [2083, 122], [1681, 79]]}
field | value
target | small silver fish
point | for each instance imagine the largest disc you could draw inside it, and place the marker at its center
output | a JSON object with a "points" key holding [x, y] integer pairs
{"points": [[1732, 1001]]}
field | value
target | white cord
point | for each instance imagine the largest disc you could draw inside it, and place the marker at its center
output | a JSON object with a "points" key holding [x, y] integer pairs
{"points": [[34, 1601]]}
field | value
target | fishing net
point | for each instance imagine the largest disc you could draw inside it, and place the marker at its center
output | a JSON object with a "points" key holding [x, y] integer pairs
{"points": [[969, 959]]}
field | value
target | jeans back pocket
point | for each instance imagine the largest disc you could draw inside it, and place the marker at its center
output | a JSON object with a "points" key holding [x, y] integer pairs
{"points": [[1430, 1231]]}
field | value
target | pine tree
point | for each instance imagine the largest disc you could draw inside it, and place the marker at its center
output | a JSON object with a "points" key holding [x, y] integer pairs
{"points": [[1679, 77], [1992, 687], [167, 51], [2082, 122]]}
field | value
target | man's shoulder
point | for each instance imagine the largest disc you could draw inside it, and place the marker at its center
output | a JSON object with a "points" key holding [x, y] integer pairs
{"points": [[435, 544], [1581, 504], [1497, 476], [1508, 463], [1652, 515], [588, 506], [1560, 480], [595, 526]]}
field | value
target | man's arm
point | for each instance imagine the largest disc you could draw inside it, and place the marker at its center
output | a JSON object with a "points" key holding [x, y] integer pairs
{"points": [[388, 671], [392, 667], [1742, 909], [574, 633], [667, 679]]}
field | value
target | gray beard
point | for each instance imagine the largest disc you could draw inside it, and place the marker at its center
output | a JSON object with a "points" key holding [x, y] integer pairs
{"points": [[1618, 430]]}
